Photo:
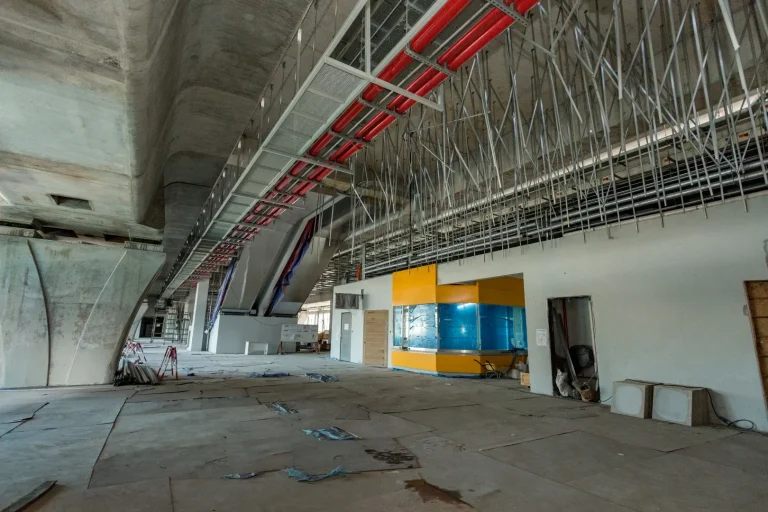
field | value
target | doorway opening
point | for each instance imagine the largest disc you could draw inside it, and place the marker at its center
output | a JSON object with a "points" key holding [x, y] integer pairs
{"points": [[572, 349], [345, 340]]}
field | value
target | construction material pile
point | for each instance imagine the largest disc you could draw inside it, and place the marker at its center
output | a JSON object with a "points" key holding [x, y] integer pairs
{"points": [[129, 372]]}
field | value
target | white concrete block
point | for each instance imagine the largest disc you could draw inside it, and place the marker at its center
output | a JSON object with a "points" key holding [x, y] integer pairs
{"points": [[632, 398], [680, 404], [256, 348]]}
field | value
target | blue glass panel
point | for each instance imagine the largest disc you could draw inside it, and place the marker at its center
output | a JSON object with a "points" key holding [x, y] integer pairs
{"points": [[398, 326], [458, 326], [422, 326], [496, 327], [520, 328]]}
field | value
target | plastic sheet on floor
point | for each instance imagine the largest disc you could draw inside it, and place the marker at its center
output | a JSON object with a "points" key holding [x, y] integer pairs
{"points": [[241, 476], [281, 408], [301, 476], [322, 377], [330, 434], [265, 375]]}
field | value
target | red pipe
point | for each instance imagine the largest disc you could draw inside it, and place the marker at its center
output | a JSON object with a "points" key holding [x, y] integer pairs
{"points": [[490, 26]]}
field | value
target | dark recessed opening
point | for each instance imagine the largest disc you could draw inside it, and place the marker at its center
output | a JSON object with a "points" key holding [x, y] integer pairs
{"points": [[71, 202]]}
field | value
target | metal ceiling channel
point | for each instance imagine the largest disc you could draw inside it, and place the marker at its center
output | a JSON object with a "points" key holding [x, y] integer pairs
{"points": [[329, 88]]}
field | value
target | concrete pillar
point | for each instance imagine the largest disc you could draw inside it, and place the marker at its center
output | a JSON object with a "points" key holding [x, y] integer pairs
{"points": [[135, 331], [66, 309], [197, 323]]}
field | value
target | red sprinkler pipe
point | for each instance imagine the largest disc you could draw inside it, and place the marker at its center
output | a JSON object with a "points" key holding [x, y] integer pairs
{"points": [[490, 26]]}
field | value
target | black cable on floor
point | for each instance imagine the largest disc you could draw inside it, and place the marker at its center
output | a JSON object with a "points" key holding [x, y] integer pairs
{"points": [[734, 424]]}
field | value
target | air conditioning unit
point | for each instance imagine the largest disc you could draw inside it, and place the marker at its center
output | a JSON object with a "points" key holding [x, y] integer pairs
{"points": [[681, 404], [632, 398]]}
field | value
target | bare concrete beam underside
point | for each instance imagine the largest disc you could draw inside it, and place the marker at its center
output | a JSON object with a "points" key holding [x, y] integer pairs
{"points": [[130, 105]]}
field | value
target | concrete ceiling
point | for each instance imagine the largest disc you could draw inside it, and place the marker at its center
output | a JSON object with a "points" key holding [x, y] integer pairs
{"points": [[132, 105]]}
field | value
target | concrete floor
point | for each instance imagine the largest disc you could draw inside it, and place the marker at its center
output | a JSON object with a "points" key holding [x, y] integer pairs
{"points": [[426, 444]]}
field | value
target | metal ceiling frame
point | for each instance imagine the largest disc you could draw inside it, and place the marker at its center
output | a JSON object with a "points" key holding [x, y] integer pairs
{"points": [[202, 243]]}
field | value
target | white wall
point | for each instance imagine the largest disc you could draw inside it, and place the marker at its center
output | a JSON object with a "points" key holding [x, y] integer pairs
{"points": [[230, 332], [377, 294], [198, 320], [669, 302]]}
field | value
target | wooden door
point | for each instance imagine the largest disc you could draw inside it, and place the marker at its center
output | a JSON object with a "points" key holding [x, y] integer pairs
{"points": [[757, 300], [375, 326]]}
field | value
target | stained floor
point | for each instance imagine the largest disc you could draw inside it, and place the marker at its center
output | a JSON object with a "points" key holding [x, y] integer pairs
{"points": [[425, 444]]}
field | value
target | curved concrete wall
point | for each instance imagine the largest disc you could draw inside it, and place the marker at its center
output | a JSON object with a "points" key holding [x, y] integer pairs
{"points": [[65, 309]]}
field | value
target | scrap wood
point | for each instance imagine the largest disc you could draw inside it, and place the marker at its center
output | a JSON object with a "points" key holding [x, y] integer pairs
{"points": [[30, 497], [330, 434], [301, 476]]}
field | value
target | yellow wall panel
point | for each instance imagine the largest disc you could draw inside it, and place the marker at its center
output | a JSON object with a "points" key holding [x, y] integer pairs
{"points": [[461, 363], [457, 294], [502, 291], [449, 363], [415, 286], [424, 361]]}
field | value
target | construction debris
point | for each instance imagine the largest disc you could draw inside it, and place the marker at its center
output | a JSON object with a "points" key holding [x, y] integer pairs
{"points": [[301, 476], [134, 373], [322, 377], [281, 408], [241, 476], [267, 375], [330, 434]]}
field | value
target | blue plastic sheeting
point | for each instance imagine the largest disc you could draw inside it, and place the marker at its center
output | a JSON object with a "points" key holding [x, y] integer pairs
{"points": [[281, 408], [301, 476], [397, 338], [502, 327], [458, 326], [330, 434], [422, 326]]}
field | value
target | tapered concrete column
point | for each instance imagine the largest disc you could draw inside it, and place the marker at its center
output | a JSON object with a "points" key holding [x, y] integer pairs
{"points": [[197, 325], [66, 309]]}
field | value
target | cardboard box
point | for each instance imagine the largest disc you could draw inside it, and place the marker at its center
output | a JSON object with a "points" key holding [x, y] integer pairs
{"points": [[525, 379]]}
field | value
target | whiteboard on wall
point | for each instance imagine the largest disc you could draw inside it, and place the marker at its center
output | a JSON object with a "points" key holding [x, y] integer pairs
{"points": [[301, 333]]}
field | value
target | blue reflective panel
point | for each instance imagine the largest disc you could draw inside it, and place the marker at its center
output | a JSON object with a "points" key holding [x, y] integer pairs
{"points": [[422, 326], [520, 327], [398, 326], [458, 326], [496, 327]]}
